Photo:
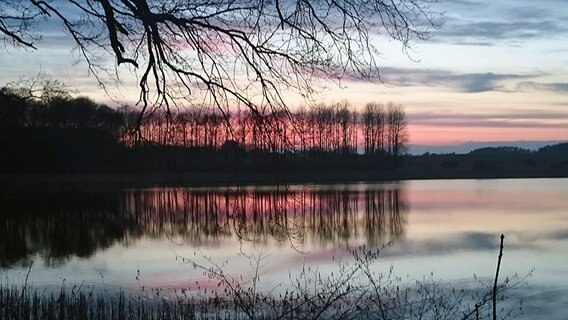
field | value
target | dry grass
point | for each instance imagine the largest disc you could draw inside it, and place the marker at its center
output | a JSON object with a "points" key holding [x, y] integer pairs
{"points": [[354, 291]]}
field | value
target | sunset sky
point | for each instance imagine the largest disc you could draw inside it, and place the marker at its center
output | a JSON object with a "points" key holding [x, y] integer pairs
{"points": [[494, 71]]}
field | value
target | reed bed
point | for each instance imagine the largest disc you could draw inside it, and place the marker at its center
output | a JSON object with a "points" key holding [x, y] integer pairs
{"points": [[18, 303], [355, 291]]}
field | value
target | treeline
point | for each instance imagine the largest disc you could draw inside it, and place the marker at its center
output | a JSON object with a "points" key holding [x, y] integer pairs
{"points": [[337, 129], [55, 133], [559, 149], [491, 162], [48, 130], [380, 129], [19, 108]]}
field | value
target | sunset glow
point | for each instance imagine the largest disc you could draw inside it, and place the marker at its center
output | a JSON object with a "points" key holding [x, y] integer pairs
{"points": [[493, 71]]}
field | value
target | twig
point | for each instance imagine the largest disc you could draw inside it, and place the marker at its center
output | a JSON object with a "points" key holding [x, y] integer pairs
{"points": [[496, 278], [24, 287]]}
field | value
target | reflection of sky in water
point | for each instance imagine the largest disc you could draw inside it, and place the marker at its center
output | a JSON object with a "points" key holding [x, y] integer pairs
{"points": [[450, 228]]}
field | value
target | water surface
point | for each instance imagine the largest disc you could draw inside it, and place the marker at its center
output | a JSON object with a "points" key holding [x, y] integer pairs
{"points": [[448, 228]]}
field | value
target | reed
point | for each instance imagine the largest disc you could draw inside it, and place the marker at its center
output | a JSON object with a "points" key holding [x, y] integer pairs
{"points": [[354, 291]]}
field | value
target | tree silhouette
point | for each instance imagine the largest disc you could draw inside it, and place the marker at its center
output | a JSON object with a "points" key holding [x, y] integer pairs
{"points": [[397, 135], [223, 52]]}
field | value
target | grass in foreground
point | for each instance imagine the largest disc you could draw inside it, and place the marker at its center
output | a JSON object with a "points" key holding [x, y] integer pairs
{"points": [[354, 292]]}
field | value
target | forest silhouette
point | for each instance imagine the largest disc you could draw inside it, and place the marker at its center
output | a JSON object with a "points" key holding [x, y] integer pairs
{"points": [[68, 135], [58, 134]]}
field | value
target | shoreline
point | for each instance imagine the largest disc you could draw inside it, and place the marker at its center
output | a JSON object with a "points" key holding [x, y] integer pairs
{"points": [[120, 181]]}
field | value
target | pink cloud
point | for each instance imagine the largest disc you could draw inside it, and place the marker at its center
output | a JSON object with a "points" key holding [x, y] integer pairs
{"points": [[455, 133]]}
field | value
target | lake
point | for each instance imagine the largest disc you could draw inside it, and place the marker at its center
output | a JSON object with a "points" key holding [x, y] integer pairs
{"points": [[447, 230]]}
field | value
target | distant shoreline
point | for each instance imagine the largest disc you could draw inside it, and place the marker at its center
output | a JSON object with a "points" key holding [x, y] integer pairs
{"points": [[54, 158], [118, 181]]}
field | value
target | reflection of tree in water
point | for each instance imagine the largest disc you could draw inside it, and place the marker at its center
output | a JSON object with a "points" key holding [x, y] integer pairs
{"points": [[58, 226], [298, 215]]}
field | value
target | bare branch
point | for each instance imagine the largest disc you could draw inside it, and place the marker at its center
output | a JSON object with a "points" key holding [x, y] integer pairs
{"points": [[227, 52]]}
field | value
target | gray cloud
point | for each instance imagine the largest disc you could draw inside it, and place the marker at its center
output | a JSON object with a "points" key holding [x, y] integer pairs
{"points": [[464, 123], [558, 87], [469, 82], [495, 22], [463, 82], [525, 119], [484, 31], [520, 115]]}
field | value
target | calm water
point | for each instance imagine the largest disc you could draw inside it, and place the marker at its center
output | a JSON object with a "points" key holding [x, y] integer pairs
{"points": [[446, 228]]}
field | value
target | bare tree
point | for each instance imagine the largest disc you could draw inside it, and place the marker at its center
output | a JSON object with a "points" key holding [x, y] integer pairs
{"points": [[346, 122], [39, 88], [223, 52], [374, 127], [397, 135]]}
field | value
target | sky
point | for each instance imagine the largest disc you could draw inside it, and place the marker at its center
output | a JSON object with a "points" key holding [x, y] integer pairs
{"points": [[494, 71]]}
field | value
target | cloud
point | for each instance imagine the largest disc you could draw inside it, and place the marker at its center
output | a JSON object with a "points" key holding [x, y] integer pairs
{"points": [[520, 115], [521, 119], [469, 82], [487, 32], [462, 82], [558, 87], [495, 22], [495, 124]]}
